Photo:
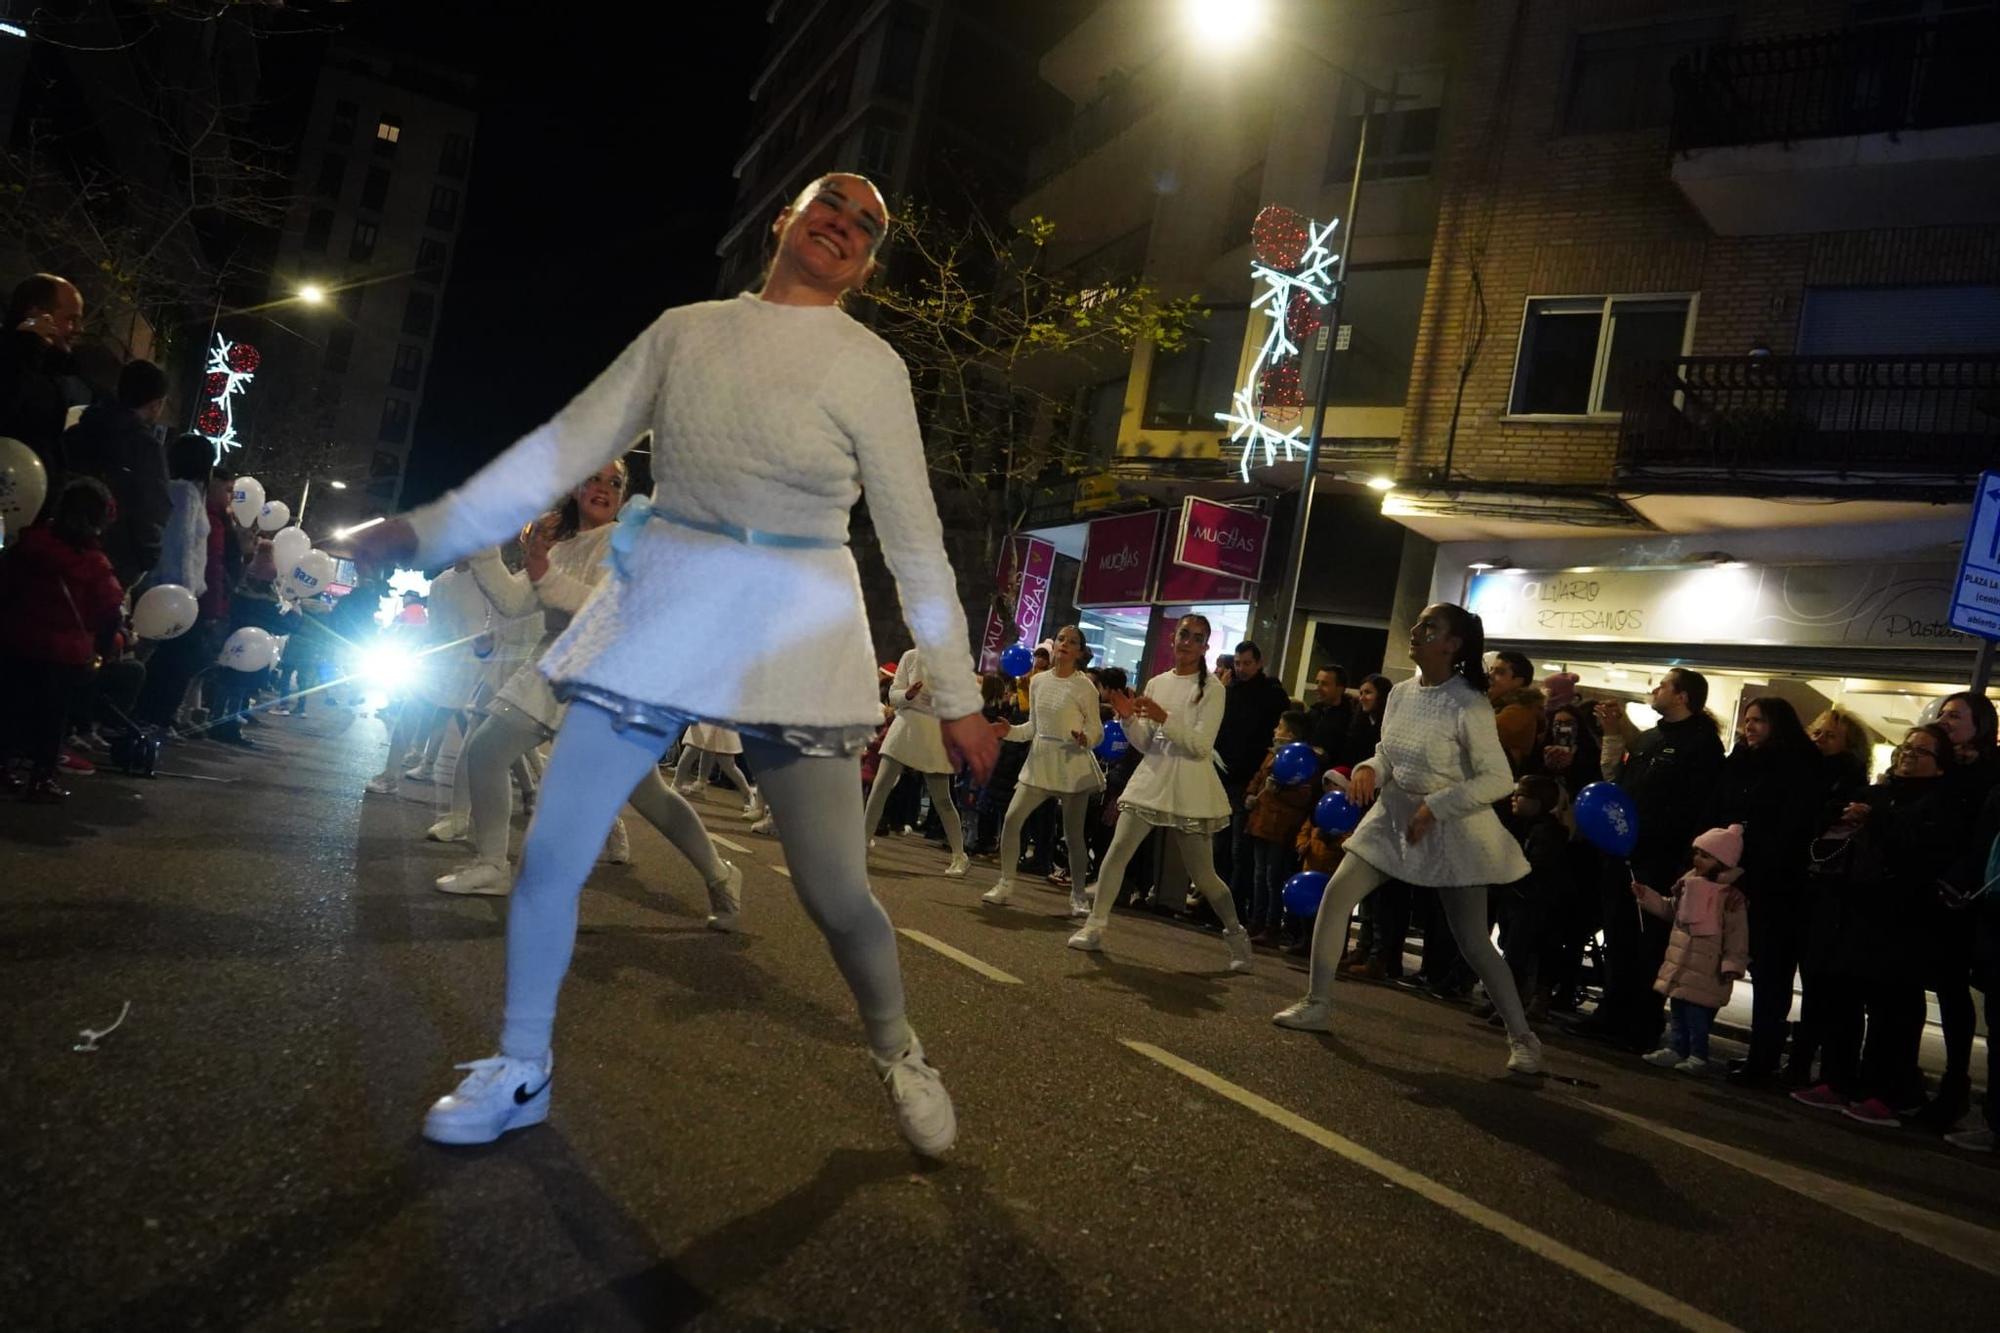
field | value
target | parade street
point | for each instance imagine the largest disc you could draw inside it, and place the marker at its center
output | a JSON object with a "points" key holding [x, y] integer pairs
{"points": [[1139, 1147]]}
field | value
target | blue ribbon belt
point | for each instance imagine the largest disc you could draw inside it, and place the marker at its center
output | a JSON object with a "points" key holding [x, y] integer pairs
{"points": [[640, 510]]}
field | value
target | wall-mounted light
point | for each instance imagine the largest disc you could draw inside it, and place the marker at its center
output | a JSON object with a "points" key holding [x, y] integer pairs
{"points": [[1379, 483], [1721, 560]]}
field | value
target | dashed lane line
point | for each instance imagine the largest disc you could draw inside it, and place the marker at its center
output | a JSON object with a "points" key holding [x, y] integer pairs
{"points": [[1969, 1243], [782, 871], [1591, 1270], [987, 970], [721, 841]]}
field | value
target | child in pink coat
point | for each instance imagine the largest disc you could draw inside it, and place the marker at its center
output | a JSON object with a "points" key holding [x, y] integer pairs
{"points": [[1709, 949]]}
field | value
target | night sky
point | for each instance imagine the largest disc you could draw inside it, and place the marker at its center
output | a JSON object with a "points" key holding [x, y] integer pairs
{"points": [[600, 185]]}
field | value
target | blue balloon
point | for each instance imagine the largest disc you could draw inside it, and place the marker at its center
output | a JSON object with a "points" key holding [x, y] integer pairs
{"points": [[1606, 816], [1018, 661], [1336, 814], [1295, 765], [1303, 892], [1114, 742]]}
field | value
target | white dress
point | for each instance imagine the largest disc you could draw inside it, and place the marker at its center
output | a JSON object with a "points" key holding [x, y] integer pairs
{"points": [[576, 567], [711, 739], [1177, 784], [767, 420], [1441, 747], [915, 739], [1057, 707]]}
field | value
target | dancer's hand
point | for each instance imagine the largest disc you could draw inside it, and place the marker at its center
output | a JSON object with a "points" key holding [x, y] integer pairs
{"points": [[1122, 703], [914, 690], [1001, 726], [384, 545], [971, 740], [535, 552], [1361, 786], [1421, 823], [1080, 739]]}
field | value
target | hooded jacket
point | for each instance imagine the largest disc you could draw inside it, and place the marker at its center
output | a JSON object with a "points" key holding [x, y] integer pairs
{"points": [[55, 598], [116, 446]]}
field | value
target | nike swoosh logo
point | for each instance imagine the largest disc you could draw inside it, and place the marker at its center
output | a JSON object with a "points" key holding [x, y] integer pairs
{"points": [[522, 1096]]}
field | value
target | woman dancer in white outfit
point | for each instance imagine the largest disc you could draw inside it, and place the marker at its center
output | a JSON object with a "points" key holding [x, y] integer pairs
{"points": [[1063, 726], [770, 413], [509, 643], [1175, 788], [915, 742], [1431, 786], [706, 745]]}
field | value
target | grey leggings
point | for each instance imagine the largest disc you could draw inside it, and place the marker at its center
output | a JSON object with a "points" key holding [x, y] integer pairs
{"points": [[694, 766], [507, 734], [1464, 911], [1197, 854], [1075, 809], [887, 775], [816, 800]]}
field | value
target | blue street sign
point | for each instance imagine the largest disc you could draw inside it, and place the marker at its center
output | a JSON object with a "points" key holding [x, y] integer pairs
{"points": [[1975, 597]]}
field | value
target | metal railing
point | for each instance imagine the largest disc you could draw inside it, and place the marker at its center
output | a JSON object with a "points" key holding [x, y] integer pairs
{"points": [[1831, 417], [1876, 79]]}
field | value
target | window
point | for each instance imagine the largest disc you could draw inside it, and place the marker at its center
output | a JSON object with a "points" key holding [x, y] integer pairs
{"points": [[1118, 260], [332, 173], [1619, 79], [339, 351], [1402, 127], [1900, 321], [408, 371], [1577, 351], [341, 128], [444, 208], [455, 157], [363, 245], [1188, 387], [1376, 343], [430, 261], [388, 133], [375, 189], [878, 150], [395, 421], [902, 48], [1101, 408], [319, 228], [418, 313]]}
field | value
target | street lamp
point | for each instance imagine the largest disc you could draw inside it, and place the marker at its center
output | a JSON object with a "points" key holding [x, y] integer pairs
{"points": [[312, 294], [306, 494], [1224, 24]]}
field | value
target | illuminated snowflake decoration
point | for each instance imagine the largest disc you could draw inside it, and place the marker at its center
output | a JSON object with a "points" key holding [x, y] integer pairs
{"points": [[231, 367], [1290, 257]]}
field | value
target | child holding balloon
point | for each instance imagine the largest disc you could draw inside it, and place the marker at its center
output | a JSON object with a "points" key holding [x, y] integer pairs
{"points": [[1709, 950], [1062, 729], [1276, 811]]}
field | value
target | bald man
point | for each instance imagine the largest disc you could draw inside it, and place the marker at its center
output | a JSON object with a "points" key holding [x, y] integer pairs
{"points": [[44, 316]]}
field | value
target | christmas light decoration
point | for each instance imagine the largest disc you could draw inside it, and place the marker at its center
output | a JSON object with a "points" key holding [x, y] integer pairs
{"points": [[231, 367], [1289, 255]]}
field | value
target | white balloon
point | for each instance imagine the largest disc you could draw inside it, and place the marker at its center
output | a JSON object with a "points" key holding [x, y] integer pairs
{"points": [[24, 484], [273, 515], [246, 498], [166, 611], [290, 546], [309, 576], [249, 649]]}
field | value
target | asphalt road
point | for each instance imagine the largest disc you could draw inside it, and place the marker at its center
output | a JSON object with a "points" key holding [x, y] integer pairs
{"points": [[1139, 1148]]}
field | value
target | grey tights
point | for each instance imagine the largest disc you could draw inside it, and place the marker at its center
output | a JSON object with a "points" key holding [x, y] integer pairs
{"points": [[1075, 809], [694, 766], [939, 784], [1197, 855]]}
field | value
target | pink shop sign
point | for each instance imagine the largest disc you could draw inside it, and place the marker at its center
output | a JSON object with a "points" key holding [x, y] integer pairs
{"points": [[1222, 540], [1023, 582], [1118, 558]]}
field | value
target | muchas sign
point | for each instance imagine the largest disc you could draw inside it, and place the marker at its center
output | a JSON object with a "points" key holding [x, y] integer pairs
{"points": [[1222, 540], [1118, 558], [1023, 582]]}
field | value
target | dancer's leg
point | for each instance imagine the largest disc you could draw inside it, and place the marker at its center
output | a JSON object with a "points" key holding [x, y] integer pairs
{"points": [[816, 803], [1026, 801], [727, 763], [594, 767], [1198, 857], [887, 774], [505, 735], [669, 812], [1076, 814], [1126, 840], [947, 812], [684, 771], [1353, 880], [1465, 913], [444, 772]]}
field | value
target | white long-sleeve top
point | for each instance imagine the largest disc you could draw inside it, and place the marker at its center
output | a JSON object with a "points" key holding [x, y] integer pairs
{"points": [[1440, 747], [457, 614], [1057, 707], [576, 567], [1177, 782], [915, 738], [184, 540], [765, 416]]}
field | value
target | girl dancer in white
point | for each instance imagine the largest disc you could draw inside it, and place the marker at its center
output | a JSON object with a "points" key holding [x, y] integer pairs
{"points": [[1431, 787], [510, 641], [1063, 727], [561, 570], [1175, 788], [770, 412], [916, 742], [706, 745]]}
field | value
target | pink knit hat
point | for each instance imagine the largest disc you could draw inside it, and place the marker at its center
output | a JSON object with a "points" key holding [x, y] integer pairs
{"points": [[1560, 688], [1724, 844]]}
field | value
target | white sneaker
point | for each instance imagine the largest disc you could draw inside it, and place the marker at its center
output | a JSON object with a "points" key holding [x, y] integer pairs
{"points": [[923, 1107], [1241, 956], [1308, 1015], [767, 824], [452, 828], [421, 773], [1664, 1058], [383, 784], [754, 808], [725, 901], [1524, 1054], [998, 894], [1695, 1065], [692, 789], [960, 863], [618, 847], [498, 1094], [1090, 939], [477, 877]]}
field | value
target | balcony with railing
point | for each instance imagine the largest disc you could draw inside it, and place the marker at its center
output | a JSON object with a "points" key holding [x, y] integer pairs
{"points": [[1877, 125], [1891, 427]]}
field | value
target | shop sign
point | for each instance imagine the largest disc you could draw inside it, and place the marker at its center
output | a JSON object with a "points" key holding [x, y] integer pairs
{"points": [[1181, 586], [1862, 606], [1975, 593], [1118, 558], [1023, 583], [1222, 540]]}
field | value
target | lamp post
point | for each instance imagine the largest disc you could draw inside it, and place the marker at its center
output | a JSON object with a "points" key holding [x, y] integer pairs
{"points": [[306, 494]]}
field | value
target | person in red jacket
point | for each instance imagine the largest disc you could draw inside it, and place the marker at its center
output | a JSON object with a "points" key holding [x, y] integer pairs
{"points": [[57, 594]]}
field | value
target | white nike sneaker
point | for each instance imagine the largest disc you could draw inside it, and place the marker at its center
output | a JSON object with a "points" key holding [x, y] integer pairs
{"points": [[421, 773], [452, 828], [923, 1107], [498, 1094], [477, 877], [768, 824], [725, 901], [1308, 1015], [692, 789], [383, 784], [960, 863], [999, 893], [1241, 956], [754, 808], [1090, 939], [618, 847], [1524, 1054]]}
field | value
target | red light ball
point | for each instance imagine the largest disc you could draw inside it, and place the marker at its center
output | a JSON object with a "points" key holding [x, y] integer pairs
{"points": [[242, 358], [1279, 236]]}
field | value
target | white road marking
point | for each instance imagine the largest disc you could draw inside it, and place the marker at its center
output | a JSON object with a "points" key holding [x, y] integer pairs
{"points": [[987, 970], [1968, 1242], [1548, 1247], [782, 871], [721, 841]]}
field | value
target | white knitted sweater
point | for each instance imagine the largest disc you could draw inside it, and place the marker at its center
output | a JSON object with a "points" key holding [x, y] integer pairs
{"points": [[771, 417]]}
